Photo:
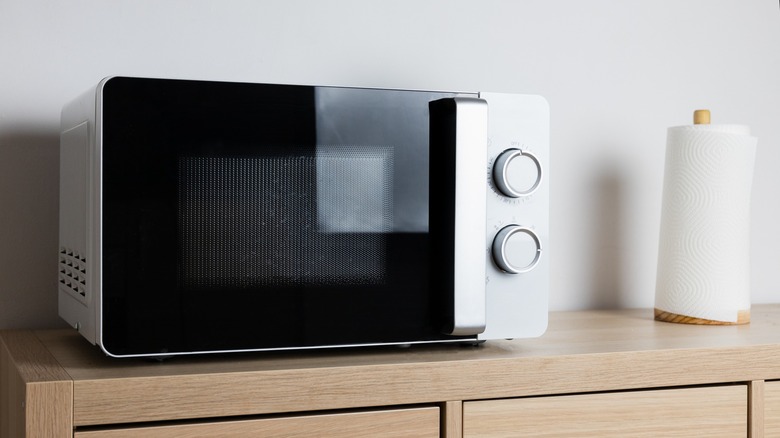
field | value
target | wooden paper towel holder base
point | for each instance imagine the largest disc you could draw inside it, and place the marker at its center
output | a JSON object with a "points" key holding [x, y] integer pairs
{"points": [[743, 317]]}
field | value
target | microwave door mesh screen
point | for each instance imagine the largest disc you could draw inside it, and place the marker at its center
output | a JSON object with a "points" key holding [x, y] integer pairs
{"points": [[285, 220], [354, 189]]}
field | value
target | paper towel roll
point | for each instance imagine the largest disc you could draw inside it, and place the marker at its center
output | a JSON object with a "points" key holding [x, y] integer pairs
{"points": [[703, 258]]}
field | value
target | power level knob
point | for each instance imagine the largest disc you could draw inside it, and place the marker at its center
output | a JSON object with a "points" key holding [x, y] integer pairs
{"points": [[516, 249], [517, 173]]}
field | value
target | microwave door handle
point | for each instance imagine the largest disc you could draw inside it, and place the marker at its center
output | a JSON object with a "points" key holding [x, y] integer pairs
{"points": [[459, 136]]}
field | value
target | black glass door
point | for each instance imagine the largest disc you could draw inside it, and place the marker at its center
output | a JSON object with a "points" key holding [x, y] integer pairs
{"points": [[250, 216]]}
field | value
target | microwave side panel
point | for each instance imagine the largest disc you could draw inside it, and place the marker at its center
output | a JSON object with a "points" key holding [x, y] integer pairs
{"points": [[78, 301]]}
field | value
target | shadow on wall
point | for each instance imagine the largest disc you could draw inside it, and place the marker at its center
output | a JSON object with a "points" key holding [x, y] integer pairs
{"points": [[607, 255], [29, 204]]}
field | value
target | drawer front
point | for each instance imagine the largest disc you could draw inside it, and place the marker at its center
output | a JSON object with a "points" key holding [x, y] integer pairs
{"points": [[772, 409], [694, 412], [418, 422]]}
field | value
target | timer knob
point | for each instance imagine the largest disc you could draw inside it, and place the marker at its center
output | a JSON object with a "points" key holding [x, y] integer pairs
{"points": [[516, 249], [517, 173]]}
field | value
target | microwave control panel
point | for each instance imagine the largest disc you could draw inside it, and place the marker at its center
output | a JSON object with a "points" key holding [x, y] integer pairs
{"points": [[517, 246]]}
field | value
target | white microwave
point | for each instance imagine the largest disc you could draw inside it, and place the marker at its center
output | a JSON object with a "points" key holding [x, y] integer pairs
{"points": [[201, 216]]}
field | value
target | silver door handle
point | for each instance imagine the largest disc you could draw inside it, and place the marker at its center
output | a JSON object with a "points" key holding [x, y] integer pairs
{"points": [[458, 189]]}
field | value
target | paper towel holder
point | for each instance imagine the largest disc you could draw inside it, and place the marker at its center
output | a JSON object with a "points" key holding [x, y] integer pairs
{"points": [[700, 117]]}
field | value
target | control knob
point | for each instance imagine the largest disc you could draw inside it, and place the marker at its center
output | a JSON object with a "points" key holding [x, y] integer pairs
{"points": [[517, 173], [516, 249]]}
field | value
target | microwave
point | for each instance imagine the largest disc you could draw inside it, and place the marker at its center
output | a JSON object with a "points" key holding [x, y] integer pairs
{"points": [[210, 217]]}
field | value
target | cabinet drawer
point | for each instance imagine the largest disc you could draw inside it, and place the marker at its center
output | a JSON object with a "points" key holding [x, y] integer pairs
{"points": [[417, 422], [772, 409], [695, 412]]}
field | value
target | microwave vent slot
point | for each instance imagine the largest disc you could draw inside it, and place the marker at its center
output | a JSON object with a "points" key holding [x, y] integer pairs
{"points": [[73, 273]]}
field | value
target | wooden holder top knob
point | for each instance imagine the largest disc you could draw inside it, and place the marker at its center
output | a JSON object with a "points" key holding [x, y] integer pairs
{"points": [[701, 117]]}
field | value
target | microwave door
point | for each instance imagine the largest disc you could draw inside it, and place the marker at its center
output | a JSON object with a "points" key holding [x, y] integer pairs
{"points": [[256, 216]]}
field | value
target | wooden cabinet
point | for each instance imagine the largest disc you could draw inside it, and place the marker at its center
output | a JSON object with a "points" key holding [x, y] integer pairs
{"points": [[597, 373]]}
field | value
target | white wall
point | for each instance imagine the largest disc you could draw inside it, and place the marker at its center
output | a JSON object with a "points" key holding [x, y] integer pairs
{"points": [[617, 73]]}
